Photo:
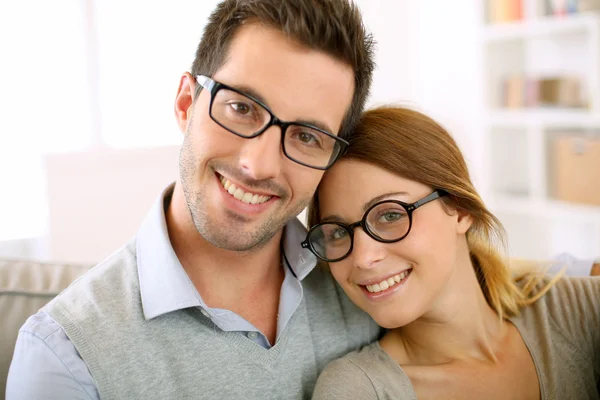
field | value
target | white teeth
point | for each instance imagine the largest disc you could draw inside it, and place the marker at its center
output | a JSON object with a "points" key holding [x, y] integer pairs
{"points": [[388, 283], [238, 193], [247, 197]]}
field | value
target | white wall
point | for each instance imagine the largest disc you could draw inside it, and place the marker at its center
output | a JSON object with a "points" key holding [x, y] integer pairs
{"points": [[430, 58], [427, 55]]}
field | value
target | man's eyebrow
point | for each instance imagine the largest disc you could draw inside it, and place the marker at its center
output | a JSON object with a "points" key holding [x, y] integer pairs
{"points": [[316, 123], [249, 91], [382, 197]]}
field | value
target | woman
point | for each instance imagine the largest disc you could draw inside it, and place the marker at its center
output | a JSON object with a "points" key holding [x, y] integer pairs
{"points": [[410, 241]]}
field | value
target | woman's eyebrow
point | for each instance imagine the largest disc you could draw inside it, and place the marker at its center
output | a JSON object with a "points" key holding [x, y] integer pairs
{"points": [[382, 197], [332, 218], [337, 218]]}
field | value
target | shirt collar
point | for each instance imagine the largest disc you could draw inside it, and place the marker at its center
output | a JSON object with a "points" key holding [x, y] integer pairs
{"points": [[164, 284], [301, 261]]}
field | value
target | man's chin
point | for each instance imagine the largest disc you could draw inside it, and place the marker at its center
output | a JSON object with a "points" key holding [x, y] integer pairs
{"points": [[239, 241], [238, 232]]}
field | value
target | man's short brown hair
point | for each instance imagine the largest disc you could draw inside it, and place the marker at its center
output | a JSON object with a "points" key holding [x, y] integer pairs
{"points": [[332, 26]]}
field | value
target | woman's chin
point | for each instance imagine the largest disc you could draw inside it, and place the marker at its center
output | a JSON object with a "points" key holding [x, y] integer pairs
{"points": [[391, 321]]}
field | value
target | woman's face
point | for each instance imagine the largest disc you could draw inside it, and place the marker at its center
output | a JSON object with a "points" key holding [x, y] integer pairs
{"points": [[396, 283]]}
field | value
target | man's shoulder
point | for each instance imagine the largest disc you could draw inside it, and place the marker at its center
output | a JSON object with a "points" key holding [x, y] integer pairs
{"points": [[321, 284], [328, 303], [116, 274], [40, 325]]}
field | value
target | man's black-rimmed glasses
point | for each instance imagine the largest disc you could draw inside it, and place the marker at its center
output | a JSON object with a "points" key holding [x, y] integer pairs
{"points": [[247, 117]]}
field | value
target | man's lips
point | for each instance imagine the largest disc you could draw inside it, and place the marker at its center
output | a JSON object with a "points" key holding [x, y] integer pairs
{"points": [[243, 193]]}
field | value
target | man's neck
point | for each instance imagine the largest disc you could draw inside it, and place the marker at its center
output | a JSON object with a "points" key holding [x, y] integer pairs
{"points": [[242, 282]]}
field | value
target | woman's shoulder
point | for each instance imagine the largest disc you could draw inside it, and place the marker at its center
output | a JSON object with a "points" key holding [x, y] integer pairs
{"points": [[562, 332], [571, 304], [350, 374], [570, 293], [368, 373]]}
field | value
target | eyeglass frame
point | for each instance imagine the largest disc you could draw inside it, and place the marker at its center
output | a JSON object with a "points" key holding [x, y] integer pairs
{"points": [[409, 207], [214, 86]]}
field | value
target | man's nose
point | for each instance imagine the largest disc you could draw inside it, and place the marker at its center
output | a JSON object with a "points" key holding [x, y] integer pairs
{"points": [[262, 157], [367, 252]]}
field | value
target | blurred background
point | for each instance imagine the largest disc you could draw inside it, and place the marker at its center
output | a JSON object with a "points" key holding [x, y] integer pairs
{"points": [[88, 136]]}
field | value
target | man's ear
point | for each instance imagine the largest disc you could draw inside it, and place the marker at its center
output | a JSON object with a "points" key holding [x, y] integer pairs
{"points": [[184, 101], [464, 220]]}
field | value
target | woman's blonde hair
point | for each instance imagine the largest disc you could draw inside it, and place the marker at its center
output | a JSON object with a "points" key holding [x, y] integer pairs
{"points": [[412, 145]]}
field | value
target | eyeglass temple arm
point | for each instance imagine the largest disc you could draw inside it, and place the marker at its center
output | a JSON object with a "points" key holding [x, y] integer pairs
{"points": [[431, 197], [205, 82]]}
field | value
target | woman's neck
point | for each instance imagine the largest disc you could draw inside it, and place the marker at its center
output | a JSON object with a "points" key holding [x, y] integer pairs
{"points": [[460, 325]]}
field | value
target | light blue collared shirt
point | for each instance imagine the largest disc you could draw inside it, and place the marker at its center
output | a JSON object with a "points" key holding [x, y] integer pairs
{"points": [[46, 364]]}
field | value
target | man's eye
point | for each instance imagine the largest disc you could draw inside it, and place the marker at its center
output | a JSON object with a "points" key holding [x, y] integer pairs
{"points": [[241, 108], [308, 139]]}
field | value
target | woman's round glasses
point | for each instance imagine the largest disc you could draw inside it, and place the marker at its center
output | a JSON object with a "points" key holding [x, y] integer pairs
{"points": [[387, 221], [247, 117]]}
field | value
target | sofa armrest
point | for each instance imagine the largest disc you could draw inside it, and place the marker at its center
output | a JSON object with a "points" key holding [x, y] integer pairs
{"points": [[25, 287]]}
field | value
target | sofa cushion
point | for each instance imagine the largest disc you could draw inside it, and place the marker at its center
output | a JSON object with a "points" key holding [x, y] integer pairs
{"points": [[25, 287]]}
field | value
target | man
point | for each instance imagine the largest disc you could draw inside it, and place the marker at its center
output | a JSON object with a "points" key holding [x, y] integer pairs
{"points": [[215, 298]]}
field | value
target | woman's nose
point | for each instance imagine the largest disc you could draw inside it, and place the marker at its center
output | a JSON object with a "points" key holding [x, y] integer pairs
{"points": [[367, 252]]}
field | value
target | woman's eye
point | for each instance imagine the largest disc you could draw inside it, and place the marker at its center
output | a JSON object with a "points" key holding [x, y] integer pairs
{"points": [[390, 216], [336, 234], [339, 233]]}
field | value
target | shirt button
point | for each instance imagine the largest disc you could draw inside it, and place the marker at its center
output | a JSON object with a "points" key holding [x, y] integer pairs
{"points": [[252, 335], [205, 313]]}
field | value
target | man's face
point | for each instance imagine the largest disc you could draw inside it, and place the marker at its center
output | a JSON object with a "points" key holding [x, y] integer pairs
{"points": [[297, 84]]}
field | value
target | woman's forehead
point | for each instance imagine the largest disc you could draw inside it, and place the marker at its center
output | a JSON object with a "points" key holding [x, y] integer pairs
{"points": [[350, 184]]}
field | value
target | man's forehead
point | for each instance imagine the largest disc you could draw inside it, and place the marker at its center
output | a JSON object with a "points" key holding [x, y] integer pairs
{"points": [[296, 82]]}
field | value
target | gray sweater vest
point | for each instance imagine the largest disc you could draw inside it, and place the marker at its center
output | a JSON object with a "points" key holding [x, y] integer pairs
{"points": [[183, 355]]}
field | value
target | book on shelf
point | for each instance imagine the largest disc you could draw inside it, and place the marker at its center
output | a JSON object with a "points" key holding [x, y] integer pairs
{"points": [[519, 91], [588, 5], [564, 7], [500, 11]]}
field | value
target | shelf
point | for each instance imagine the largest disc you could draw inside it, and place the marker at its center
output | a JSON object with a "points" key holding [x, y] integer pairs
{"points": [[540, 27], [548, 118], [549, 209]]}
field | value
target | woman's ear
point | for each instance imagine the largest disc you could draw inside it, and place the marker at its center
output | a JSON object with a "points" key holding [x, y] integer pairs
{"points": [[464, 221]]}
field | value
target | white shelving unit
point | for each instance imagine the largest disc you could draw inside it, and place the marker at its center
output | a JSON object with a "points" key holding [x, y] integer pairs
{"points": [[517, 141]]}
